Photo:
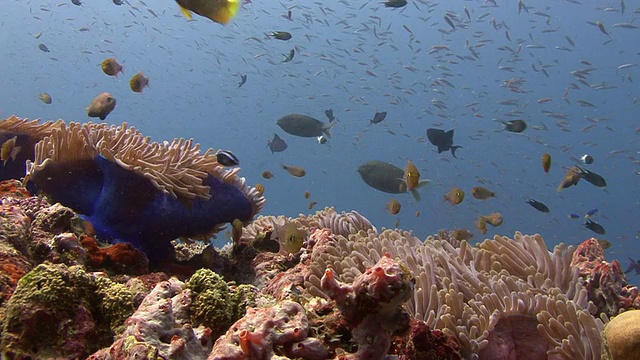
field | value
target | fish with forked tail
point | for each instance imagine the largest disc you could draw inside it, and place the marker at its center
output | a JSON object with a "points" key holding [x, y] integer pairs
{"points": [[443, 140]]}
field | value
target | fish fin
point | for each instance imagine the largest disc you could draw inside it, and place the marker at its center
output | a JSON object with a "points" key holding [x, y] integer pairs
{"points": [[416, 195], [327, 128], [454, 148], [422, 183], [186, 13]]}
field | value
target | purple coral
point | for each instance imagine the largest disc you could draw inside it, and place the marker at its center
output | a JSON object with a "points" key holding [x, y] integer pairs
{"points": [[373, 305]]}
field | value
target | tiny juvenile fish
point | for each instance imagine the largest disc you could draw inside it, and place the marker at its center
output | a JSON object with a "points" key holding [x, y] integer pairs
{"points": [[243, 80], [516, 126], [482, 193], [289, 57], [546, 162], [455, 196], [281, 35], [291, 238], [296, 171], [394, 206], [538, 205], [138, 82], [45, 98], [395, 3]]}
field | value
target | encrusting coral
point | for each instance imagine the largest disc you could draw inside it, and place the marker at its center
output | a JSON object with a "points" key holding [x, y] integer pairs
{"points": [[135, 190]]}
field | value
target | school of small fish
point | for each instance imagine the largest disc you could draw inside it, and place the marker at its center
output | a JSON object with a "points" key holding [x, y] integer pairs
{"points": [[404, 76]]}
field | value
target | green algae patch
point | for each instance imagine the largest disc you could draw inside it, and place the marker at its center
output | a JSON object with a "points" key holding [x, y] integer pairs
{"points": [[215, 304], [64, 312]]}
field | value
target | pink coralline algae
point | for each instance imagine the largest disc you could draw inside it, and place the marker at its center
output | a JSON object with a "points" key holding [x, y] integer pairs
{"points": [[268, 333], [607, 285], [373, 305]]}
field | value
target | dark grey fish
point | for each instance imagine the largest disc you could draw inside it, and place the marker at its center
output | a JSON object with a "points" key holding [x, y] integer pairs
{"points": [[118, 2], [43, 47], [289, 57], [538, 205], [593, 178], [378, 117], [329, 114], [76, 2], [594, 226], [443, 140], [281, 35], [227, 158], [383, 176], [395, 3], [305, 126], [243, 80], [516, 126], [277, 144]]}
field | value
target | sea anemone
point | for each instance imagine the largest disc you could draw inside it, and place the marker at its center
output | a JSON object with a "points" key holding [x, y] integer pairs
{"points": [[135, 190], [503, 296], [27, 134]]}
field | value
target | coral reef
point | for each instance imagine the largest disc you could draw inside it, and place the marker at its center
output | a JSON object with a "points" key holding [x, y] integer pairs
{"points": [[477, 294], [372, 305], [161, 329], [622, 337], [138, 191], [606, 282], [58, 311]]}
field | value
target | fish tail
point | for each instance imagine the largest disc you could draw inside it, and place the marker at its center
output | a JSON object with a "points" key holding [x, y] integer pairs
{"points": [[227, 12], [453, 150], [416, 194], [327, 128]]}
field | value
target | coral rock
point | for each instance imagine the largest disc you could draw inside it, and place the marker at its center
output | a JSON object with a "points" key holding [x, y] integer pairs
{"points": [[270, 333], [607, 285], [373, 305], [622, 336], [160, 329]]}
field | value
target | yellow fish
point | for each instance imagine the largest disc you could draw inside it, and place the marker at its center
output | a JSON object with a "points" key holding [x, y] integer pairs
{"points": [[296, 171], [455, 196], [220, 11], [45, 98], [138, 82], [394, 206], [411, 180], [10, 150], [291, 238]]}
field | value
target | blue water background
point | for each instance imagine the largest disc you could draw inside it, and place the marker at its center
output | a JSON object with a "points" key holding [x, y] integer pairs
{"points": [[194, 68]]}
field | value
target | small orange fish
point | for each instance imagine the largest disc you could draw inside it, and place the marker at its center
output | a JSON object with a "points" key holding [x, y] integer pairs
{"points": [[411, 175], [259, 188], [138, 82], [101, 106], [267, 174], [394, 206], [455, 196], [312, 204], [461, 234], [45, 98], [10, 150], [546, 162], [307, 194], [296, 171], [482, 193], [494, 219], [481, 224], [111, 67]]}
